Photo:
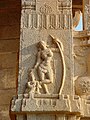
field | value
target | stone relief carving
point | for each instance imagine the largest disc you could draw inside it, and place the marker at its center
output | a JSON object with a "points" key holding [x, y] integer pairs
{"points": [[43, 68], [82, 80], [85, 85], [47, 21], [61, 49], [64, 7], [29, 4], [76, 18], [42, 73], [80, 60], [64, 4], [46, 9], [82, 85]]}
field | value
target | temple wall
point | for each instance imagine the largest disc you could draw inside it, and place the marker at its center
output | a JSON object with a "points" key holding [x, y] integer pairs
{"points": [[88, 61], [9, 43]]}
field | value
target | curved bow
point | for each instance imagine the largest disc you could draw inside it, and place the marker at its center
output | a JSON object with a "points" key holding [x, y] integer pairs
{"points": [[61, 49]]}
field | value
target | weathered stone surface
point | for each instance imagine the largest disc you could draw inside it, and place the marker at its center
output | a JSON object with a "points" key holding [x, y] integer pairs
{"points": [[8, 60], [9, 18], [88, 63], [4, 108], [6, 95], [4, 115], [9, 32], [4, 112], [13, 45], [8, 78]]}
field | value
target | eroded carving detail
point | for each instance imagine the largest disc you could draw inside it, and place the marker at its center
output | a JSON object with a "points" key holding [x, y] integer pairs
{"points": [[46, 9], [82, 85], [29, 4], [85, 85], [64, 4]]}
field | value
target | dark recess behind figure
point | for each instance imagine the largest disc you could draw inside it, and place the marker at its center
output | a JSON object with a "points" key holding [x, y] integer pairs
{"points": [[77, 2]]}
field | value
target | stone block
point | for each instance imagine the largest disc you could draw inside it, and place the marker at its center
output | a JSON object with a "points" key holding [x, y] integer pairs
{"points": [[9, 45], [6, 95], [4, 115], [9, 18], [8, 60], [8, 78], [4, 112], [9, 32], [4, 108]]}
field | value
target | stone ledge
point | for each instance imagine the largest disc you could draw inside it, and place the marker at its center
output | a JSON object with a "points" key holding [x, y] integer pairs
{"points": [[52, 103]]}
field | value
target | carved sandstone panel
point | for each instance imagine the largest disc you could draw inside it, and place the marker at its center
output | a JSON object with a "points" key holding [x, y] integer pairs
{"points": [[45, 23], [29, 52]]}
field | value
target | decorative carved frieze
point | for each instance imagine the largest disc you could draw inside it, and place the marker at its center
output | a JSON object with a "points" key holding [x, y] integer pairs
{"points": [[47, 21], [64, 4]]}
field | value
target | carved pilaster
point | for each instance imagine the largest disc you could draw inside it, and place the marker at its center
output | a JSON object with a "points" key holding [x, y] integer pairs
{"points": [[45, 82]]}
